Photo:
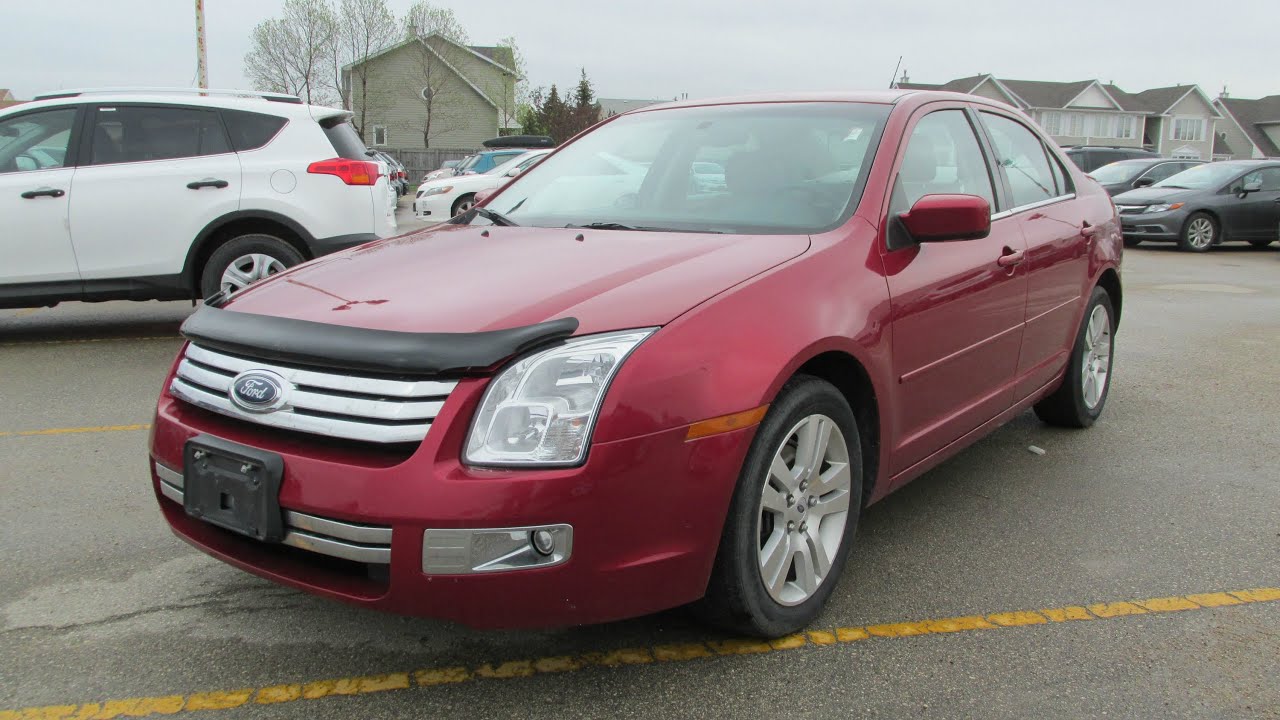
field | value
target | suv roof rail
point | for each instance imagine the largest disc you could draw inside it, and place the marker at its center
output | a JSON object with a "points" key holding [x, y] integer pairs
{"points": [[268, 96]]}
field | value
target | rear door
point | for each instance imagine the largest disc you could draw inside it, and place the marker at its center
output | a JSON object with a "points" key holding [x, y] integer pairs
{"points": [[151, 178], [1052, 220], [957, 312], [35, 187]]}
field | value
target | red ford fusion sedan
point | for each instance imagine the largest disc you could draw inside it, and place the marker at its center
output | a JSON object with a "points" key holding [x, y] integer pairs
{"points": [[669, 365]]}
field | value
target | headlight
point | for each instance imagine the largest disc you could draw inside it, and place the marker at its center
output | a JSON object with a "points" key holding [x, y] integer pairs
{"points": [[1162, 207], [435, 191], [541, 409]]}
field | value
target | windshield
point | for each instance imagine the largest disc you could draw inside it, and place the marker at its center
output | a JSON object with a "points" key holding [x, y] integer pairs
{"points": [[466, 163], [778, 167], [1209, 175], [508, 163], [1119, 172]]}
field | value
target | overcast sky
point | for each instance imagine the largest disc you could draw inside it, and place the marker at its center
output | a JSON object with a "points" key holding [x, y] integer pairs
{"points": [[661, 48]]}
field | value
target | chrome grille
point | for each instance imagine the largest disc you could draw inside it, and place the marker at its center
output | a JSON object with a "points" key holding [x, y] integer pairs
{"points": [[351, 541], [1131, 209], [350, 407]]}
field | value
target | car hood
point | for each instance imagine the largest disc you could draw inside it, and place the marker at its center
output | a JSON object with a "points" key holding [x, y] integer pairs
{"points": [[1153, 195], [458, 278]]}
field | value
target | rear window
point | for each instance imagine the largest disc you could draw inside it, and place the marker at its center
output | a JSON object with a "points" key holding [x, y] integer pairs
{"points": [[346, 141], [250, 130]]}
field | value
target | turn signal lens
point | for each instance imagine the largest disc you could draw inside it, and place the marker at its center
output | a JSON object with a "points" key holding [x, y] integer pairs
{"points": [[351, 172]]}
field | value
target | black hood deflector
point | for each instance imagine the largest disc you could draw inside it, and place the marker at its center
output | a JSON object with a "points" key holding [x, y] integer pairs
{"points": [[303, 342]]}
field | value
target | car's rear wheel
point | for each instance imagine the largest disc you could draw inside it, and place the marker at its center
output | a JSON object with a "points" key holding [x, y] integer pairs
{"points": [[1079, 400], [463, 204], [793, 515], [244, 260], [1199, 233], [1260, 243], [1131, 242]]}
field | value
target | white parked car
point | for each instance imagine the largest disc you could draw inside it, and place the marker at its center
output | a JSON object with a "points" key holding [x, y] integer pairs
{"points": [[447, 197], [146, 194], [446, 170]]}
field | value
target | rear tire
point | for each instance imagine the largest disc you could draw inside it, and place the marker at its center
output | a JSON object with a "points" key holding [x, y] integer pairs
{"points": [[1079, 400], [1199, 233], [791, 521], [244, 260]]}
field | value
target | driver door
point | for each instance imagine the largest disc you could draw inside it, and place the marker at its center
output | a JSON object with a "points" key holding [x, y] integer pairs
{"points": [[35, 192], [1256, 215]]}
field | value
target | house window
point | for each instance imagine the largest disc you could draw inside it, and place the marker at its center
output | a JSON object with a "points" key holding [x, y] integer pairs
{"points": [[1051, 122], [1100, 126], [1075, 124], [379, 135], [1186, 152], [1188, 129], [1125, 126]]}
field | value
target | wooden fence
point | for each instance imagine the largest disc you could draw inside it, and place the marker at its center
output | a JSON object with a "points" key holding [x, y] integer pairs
{"points": [[420, 162]]}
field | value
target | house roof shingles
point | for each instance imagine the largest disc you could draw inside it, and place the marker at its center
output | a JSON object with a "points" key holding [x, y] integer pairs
{"points": [[1250, 114], [1044, 94]]}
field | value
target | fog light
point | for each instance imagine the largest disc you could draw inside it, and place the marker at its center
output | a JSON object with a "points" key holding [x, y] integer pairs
{"points": [[542, 541]]}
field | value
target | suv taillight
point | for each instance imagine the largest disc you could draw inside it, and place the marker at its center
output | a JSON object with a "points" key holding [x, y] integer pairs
{"points": [[351, 172]]}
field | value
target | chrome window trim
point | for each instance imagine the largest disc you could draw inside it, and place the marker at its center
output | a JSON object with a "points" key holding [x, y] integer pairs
{"points": [[1032, 206]]}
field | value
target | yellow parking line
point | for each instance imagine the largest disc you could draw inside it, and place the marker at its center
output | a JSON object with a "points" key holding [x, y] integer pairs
{"points": [[663, 654], [75, 430], [91, 340]]}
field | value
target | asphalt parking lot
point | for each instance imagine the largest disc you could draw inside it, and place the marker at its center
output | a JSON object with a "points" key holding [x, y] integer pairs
{"points": [[1129, 571]]}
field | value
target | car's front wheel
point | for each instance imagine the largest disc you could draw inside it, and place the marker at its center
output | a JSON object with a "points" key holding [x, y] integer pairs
{"points": [[793, 515], [244, 260], [1079, 400], [1199, 233], [463, 204]]}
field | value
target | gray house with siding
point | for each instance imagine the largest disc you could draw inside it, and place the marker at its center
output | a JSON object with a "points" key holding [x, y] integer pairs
{"points": [[433, 92], [1175, 121], [1251, 128]]}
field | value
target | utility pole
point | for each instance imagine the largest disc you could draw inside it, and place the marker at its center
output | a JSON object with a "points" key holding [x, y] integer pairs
{"points": [[202, 61]]}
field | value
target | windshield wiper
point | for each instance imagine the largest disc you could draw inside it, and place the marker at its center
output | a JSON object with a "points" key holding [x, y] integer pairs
{"points": [[638, 228], [494, 217]]}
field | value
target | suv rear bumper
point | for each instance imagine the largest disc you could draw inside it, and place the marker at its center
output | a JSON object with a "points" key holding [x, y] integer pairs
{"points": [[646, 516], [324, 246]]}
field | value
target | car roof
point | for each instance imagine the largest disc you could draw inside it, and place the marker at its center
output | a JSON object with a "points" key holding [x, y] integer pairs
{"points": [[289, 106]]}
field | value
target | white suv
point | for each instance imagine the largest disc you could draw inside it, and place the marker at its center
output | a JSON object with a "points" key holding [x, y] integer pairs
{"points": [[174, 194]]}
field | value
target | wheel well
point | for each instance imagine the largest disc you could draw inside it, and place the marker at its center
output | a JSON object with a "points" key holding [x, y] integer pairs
{"points": [[851, 379], [235, 228], [1110, 281]]}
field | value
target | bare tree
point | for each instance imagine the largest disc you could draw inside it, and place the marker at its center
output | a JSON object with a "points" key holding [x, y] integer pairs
{"points": [[437, 84], [364, 27], [290, 54]]}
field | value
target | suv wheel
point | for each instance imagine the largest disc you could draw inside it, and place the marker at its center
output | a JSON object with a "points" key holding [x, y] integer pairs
{"points": [[244, 260], [793, 516], [1199, 233]]}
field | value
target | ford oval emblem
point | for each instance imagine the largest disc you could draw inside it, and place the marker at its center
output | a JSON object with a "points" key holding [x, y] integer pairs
{"points": [[260, 391]]}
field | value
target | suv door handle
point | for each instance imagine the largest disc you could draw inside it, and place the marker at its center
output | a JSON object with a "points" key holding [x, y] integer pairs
{"points": [[1010, 258], [1089, 230], [43, 192], [207, 182]]}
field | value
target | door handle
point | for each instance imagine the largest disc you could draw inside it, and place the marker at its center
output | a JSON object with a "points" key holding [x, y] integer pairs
{"points": [[207, 182], [43, 192], [1010, 258], [1089, 230]]}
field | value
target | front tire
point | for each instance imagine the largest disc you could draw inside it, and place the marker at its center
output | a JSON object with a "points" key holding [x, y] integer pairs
{"points": [[244, 260], [463, 204], [793, 515], [1199, 233], [1078, 402]]}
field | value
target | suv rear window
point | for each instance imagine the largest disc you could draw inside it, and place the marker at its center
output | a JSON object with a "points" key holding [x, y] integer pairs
{"points": [[345, 140], [250, 130]]}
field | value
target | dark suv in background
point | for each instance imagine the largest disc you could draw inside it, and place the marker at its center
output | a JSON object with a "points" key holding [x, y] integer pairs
{"points": [[1091, 157], [1128, 175]]}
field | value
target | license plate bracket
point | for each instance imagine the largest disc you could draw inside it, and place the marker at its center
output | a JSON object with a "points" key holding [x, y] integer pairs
{"points": [[234, 487]]}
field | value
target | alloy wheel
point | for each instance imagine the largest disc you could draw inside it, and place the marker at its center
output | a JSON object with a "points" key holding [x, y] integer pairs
{"points": [[1096, 363], [248, 269], [803, 510], [1200, 233], [463, 206]]}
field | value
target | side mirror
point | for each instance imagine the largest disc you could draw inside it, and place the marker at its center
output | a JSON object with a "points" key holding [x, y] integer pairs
{"points": [[483, 195], [940, 218], [513, 172], [1251, 187], [1144, 182]]}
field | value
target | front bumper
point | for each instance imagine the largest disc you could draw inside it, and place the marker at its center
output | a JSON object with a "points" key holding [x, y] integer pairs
{"points": [[646, 516], [434, 207], [1153, 226]]}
